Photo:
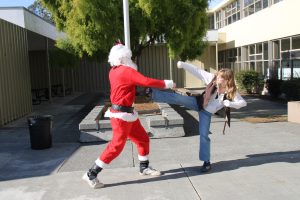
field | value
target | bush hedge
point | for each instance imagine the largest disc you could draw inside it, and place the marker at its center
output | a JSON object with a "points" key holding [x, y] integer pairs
{"points": [[251, 81], [291, 89], [274, 87]]}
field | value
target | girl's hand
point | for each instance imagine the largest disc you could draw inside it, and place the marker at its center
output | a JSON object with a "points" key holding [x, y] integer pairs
{"points": [[179, 64], [226, 103]]}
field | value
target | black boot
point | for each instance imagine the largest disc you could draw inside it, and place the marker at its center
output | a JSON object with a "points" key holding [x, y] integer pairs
{"points": [[206, 166], [93, 171], [144, 165], [91, 177]]}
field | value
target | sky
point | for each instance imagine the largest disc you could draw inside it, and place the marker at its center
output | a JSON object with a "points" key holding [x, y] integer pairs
{"points": [[26, 3], [9, 3]]}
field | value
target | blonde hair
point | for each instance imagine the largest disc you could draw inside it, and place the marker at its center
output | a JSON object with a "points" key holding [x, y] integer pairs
{"points": [[228, 75]]}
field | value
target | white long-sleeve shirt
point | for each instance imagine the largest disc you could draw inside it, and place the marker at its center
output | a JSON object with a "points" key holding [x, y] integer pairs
{"points": [[214, 104]]}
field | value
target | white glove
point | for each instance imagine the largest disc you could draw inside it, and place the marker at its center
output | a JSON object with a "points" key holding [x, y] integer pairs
{"points": [[179, 64], [226, 103], [169, 84]]}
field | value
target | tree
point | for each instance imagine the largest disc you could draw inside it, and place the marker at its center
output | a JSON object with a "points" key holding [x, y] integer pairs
{"points": [[93, 26], [38, 9]]}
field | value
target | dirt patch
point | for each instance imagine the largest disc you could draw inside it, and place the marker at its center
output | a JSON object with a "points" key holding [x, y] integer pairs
{"points": [[147, 108], [280, 118], [143, 105]]}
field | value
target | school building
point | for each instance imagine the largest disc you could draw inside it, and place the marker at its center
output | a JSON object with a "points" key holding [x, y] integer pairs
{"points": [[261, 35]]}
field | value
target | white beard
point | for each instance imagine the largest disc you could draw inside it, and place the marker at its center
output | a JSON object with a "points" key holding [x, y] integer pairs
{"points": [[129, 63]]}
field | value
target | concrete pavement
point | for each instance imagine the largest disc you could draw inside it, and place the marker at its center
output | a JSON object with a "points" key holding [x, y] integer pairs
{"points": [[252, 161]]}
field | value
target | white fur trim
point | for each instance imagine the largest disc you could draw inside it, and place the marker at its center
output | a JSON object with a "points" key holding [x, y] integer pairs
{"points": [[128, 63], [169, 84], [179, 64], [143, 158], [100, 163], [128, 117], [121, 55], [117, 53]]}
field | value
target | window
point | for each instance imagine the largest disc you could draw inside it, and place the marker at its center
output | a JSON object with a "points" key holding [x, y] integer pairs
{"points": [[252, 49], [211, 22], [257, 6], [265, 52], [252, 65], [259, 57], [296, 42], [265, 68], [232, 12], [248, 2], [238, 57], [219, 19], [285, 55], [231, 55], [259, 48], [296, 54], [276, 1], [276, 49], [252, 6], [285, 44], [259, 67], [252, 57], [265, 3]]}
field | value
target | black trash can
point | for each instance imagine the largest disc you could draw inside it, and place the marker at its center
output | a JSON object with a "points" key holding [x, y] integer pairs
{"points": [[40, 131]]}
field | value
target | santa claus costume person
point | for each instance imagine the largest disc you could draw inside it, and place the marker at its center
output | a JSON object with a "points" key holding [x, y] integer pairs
{"points": [[124, 78]]}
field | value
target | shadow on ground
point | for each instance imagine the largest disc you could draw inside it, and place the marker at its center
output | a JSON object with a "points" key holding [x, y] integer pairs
{"points": [[18, 160], [251, 160]]}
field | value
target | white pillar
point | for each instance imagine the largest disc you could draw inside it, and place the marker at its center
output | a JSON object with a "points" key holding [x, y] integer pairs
{"points": [[126, 23], [171, 69], [217, 58], [48, 70]]}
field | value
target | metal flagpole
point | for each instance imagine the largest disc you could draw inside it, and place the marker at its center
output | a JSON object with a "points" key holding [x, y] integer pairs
{"points": [[126, 23]]}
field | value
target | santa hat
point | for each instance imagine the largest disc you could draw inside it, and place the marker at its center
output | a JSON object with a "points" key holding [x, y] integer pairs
{"points": [[119, 54]]}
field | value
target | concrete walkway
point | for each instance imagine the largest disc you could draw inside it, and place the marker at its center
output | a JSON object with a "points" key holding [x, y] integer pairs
{"points": [[252, 161]]}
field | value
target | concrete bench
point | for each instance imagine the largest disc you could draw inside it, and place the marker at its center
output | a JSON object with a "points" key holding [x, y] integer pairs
{"points": [[294, 111], [169, 123]]}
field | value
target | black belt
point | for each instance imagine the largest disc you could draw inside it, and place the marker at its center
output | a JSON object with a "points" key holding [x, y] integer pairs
{"points": [[127, 109]]}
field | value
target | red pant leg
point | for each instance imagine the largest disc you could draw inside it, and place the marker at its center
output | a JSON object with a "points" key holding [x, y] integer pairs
{"points": [[121, 131], [139, 136]]}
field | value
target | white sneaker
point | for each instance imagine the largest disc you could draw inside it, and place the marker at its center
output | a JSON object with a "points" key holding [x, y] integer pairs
{"points": [[95, 183], [151, 172]]}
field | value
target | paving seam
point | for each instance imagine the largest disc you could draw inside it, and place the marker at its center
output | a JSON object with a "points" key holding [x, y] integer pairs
{"points": [[132, 154], [190, 181]]}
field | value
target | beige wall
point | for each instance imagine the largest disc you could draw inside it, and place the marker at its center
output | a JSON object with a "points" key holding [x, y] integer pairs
{"points": [[206, 61], [277, 21]]}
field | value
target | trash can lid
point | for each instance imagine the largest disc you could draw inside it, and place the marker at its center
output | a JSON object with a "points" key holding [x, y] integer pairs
{"points": [[40, 117]]}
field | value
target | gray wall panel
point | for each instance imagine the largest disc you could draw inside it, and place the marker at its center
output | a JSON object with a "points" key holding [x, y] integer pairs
{"points": [[15, 95]]}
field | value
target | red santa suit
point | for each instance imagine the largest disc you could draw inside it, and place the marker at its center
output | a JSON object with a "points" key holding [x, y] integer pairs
{"points": [[124, 78]]}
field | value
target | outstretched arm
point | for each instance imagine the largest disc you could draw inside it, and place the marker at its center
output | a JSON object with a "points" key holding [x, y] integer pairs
{"points": [[199, 73], [141, 80]]}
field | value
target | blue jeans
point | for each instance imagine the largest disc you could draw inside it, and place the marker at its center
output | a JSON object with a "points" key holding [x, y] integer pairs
{"points": [[191, 103]]}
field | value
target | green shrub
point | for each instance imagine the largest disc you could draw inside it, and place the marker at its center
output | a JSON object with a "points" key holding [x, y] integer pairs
{"points": [[250, 81], [291, 89], [274, 87]]}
